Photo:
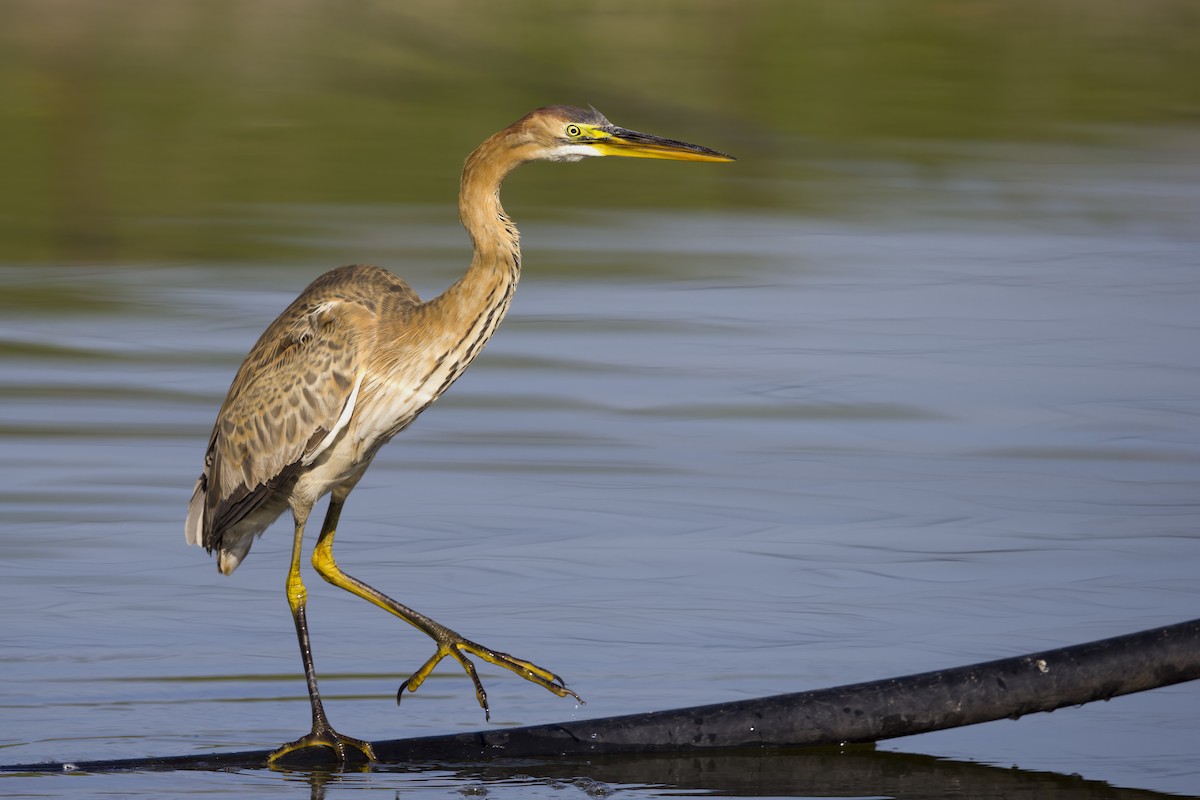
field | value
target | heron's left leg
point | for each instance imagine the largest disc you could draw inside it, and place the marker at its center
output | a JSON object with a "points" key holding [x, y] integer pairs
{"points": [[322, 734], [448, 642]]}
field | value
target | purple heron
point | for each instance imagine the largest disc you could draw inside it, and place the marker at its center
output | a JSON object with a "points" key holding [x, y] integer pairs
{"points": [[351, 363]]}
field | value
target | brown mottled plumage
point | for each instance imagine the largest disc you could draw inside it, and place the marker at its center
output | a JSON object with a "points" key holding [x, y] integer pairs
{"points": [[288, 396], [351, 363]]}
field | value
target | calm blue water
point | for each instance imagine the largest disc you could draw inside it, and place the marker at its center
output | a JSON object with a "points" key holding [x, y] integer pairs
{"points": [[774, 453]]}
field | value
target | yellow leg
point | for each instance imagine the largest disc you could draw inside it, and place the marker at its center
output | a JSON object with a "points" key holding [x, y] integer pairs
{"points": [[322, 734], [448, 642]]}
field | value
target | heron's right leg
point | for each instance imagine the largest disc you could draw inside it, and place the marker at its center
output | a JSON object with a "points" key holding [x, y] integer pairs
{"points": [[322, 734], [449, 643]]}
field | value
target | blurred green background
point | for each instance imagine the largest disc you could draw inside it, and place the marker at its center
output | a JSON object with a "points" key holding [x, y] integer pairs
{"points": [[136, 132]]}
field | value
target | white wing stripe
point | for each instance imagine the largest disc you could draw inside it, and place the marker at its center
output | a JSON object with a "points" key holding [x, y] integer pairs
{"points": [[347, 411]]}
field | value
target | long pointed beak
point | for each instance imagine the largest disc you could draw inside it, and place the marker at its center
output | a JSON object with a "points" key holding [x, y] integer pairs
{"points": [[622, 142]]}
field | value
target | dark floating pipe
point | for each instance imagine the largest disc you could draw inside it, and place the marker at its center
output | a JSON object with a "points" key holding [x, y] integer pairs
{"points": [[858, 713]]}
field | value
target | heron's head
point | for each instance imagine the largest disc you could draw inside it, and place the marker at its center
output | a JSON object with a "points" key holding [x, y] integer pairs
{"points": [[565, 133]]}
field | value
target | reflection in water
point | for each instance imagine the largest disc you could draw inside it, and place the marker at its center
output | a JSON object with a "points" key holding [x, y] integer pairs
{"points": [[857, 771], [849, 772]]}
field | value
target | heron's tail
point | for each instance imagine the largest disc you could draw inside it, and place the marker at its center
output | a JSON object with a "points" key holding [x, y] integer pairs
{"points": [[194, 527]]}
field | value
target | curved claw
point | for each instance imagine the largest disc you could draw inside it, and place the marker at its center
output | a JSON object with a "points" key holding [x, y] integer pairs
{"points": [[455, 646]]}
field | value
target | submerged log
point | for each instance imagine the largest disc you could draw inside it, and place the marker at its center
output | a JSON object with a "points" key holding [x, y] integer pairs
{"points": [[857, 713]]}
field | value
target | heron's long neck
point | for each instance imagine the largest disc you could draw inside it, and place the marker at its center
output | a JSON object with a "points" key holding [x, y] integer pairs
{"points": [[466, 315]]}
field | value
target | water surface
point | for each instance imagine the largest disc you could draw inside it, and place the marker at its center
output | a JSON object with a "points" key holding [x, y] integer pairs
{"points": [[848, 409]]}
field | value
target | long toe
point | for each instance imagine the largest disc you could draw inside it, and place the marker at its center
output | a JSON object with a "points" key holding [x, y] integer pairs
{"points": [[455, 646], [526, 669]]}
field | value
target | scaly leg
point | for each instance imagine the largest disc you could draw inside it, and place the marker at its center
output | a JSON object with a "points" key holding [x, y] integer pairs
{"points": [[322, 734], [448, 642]]}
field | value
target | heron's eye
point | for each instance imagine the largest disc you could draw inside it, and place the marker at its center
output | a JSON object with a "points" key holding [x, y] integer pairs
{"points": [[574, 132]]}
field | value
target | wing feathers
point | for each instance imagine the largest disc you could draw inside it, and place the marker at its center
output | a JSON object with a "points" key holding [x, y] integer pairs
{"points": [[289, 401], [292, 399]]}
